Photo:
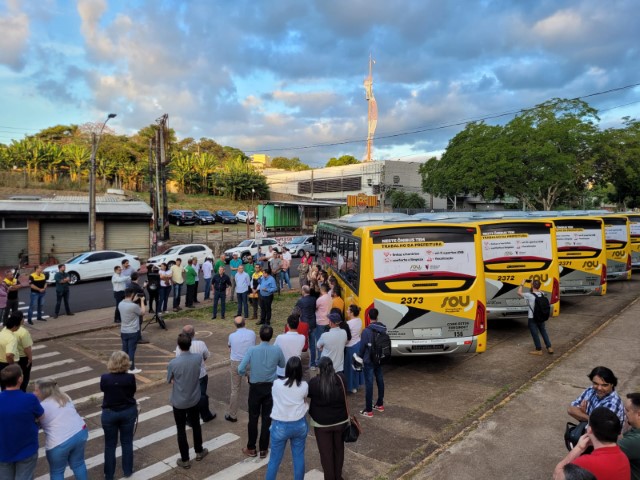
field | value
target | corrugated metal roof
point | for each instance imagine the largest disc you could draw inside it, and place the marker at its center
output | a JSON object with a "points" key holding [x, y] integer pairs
{"points": [[311, 203], [104, 204]]}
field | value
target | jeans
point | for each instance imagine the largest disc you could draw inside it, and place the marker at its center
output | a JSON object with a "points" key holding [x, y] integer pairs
{"points": [[534, 328], [114, 422], [129, 345], [222, 298], [165, 293], [118, 296], [260, 406], [177, 291], [60, 296], [22, 470], [284, 278], [265, 309], [70, 452], [243, 304], [181, 415], [312, 347], [296, 432], [369, 371], [37, 298], [207, 288]]}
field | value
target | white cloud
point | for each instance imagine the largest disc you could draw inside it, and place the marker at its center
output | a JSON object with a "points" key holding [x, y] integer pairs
{"points": [[14, 25]]}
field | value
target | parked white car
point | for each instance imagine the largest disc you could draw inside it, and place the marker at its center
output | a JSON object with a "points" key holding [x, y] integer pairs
{"points": [[245, 216], [184, 252], [92, 265], [249, 248]]}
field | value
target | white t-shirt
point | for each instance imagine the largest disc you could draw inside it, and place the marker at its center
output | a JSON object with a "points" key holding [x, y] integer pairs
{"points": [[207, 269], [59, 423], [355, 325], [291, 344], [288, 402]]}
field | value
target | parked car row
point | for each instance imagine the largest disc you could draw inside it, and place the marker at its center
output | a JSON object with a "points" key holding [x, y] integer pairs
{"points": [[205, 217]]}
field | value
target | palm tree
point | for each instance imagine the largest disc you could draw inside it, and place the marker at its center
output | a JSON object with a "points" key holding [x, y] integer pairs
{"points": [[204, 164], [182, 169], [77, 157]]}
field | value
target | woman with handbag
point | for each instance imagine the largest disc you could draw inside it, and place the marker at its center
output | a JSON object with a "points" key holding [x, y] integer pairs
{"points": [[329, 417], [288, 419]]}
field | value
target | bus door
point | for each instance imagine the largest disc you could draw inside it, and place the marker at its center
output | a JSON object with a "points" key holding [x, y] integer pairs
{"points": [[618, 247]]}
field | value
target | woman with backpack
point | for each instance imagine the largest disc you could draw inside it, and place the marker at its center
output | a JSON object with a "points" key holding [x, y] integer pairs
{"points": [[329, 417], [536, 327]]}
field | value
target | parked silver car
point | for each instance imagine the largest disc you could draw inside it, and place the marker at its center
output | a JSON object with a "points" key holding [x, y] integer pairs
{"points": [[301, 244]]}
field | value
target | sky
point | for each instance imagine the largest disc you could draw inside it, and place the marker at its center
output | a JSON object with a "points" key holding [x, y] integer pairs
{"points": [[285, 77]]}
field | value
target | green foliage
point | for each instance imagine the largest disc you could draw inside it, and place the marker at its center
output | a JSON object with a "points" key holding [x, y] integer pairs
{"points": [[542, 157], [292, 164], [400, 199], [343, 160], [236, 179]]}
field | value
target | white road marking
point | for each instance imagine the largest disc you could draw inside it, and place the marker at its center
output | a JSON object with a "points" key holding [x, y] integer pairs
{"points": [[75, 386], [240, 469], [51, 365], [45, 355], [314, 475], [68, 373], [38, 346]]}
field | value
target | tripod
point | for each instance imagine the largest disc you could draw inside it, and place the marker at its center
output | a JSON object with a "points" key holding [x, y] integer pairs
{"points": [[155, 319]]}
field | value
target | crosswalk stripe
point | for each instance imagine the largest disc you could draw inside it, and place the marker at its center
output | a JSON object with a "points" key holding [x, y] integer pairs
{"points": [[69, 373], [99, 432], [38, 346], [314, 475], [45, 355], [94, 397], [239, 469], [75, 386], [51, 365], [168, 463]]}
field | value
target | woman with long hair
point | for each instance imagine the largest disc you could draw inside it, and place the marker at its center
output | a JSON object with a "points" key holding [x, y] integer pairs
{"points": [[65, 431], [288, 419], [165, 288], [313, 280], [354, 378], [119, 413], [328, 411]]}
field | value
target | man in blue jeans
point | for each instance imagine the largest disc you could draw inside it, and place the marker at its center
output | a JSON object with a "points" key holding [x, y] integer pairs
{"points": [[131, 308], [370, 368]]}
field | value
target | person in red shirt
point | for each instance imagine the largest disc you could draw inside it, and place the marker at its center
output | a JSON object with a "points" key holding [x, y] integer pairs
{"points": [[607, 461]]}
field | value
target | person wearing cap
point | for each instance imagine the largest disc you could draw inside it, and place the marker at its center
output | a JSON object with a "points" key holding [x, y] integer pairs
{"points": [[332, 343], [535, 327], [233, 265]]}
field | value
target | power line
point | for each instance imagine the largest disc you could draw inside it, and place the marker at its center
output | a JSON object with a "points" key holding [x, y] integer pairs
{"points": [[448, 125]]}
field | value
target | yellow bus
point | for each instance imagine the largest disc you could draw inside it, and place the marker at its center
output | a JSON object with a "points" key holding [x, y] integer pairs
{"points": [[425, 279], [516, 250], [582, 255], [618, 247], [634, 230]]}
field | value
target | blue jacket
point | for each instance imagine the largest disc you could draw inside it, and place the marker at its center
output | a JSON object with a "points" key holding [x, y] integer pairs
{"points": [[366, 339]]}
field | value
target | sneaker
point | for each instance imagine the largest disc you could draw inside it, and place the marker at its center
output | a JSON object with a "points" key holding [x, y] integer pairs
{"points": [[379, 408], [355, 390], [135, 371], [181, 463], [550, 350], [249, 452], [364, 413], [202, 454], [536, 352], [313, 368]]}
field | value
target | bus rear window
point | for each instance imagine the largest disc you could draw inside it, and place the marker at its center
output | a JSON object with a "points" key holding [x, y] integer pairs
{"points": [[516, 246], [579, 238]]}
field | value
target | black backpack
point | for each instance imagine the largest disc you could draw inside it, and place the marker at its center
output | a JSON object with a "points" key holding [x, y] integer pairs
{"points": [[380, 347], [541, 308]]}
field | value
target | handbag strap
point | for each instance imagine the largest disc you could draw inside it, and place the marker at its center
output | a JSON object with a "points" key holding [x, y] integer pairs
{"points": [[344, 392]]}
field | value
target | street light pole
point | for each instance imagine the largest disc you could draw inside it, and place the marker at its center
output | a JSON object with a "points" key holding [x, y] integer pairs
{"points": [[95, 142]]}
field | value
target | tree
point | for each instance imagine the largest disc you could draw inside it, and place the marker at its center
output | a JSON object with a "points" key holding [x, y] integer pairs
{"points": [[542, 157], [59, 134], [204, 164], [343, 160], [292, 164], [401, 199], [236, 179], [77, 160]]}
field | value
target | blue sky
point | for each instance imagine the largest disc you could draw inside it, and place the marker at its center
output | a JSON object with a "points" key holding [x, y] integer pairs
{"points": [[271, 75]]}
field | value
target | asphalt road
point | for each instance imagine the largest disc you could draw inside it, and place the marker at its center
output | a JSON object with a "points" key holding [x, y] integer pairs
{"points": [[98, 293]]}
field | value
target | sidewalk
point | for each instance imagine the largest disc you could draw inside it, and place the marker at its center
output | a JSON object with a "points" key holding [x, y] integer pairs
{"points": [[523, 437]]}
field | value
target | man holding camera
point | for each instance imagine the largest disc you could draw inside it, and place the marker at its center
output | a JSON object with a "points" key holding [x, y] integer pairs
{"points": [[131, 309]]}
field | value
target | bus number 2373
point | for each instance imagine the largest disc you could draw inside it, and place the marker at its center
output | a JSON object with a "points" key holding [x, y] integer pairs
{"points": [[411, 300]]}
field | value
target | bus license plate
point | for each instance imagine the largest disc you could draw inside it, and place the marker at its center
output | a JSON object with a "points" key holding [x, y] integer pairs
{"points": [[427, 332], [516, 302], [427, 347]]}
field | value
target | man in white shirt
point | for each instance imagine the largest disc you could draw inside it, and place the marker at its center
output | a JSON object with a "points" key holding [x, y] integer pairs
{"points": [[333, 342], [119, 284], [199, 348], [239, 342], [291, 343], [242, 283], [207, 273]]}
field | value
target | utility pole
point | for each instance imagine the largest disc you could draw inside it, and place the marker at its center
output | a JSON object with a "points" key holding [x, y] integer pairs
{"points": [[161, 168], [95, 142]]}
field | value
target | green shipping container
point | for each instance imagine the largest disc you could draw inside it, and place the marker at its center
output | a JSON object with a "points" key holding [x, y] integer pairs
{"points": [[279, 216]]}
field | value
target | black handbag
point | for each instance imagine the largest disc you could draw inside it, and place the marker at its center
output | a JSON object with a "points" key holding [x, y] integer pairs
{"points": [[352, 429], [572, 434]]}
